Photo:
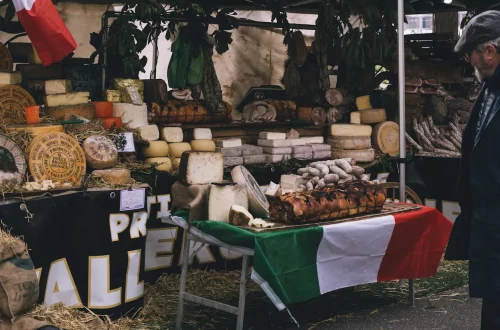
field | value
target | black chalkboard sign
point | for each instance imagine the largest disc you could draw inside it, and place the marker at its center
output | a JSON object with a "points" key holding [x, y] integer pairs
{"points": [[85, 78]]}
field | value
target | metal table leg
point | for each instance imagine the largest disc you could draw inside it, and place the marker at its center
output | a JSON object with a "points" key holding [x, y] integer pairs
{"points": [[182, 289], [411, 292], [243, 292]]}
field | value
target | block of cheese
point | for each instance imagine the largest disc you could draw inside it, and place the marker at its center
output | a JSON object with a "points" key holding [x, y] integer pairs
{"points": [[249, 150], [363, 102], [203, 145], [291, 181], [114, 175], [278, 151], [178, 148], [231, 152], [202, 134], [228, 143], [10, 78], [86, 110], [362, 156], [59, 86], [149, 132], [355, 117], [322, 154], [222, 197], [201, 167], [321, 147], [66, 99], [373, 116], [172, 134], [276, 158], [113, 95], [132, 115], [100, 152], [131, 94], [254, 159], [163, 164], [272, 189], [274, 143], [103, 109], [350, 142], [257, 201], [350, 130], [155, 90], [272, 136], [36, 129], [302, 150], [239, 216], [156, 149], [112, 122], [305, 156], [298, 142], [315, 139], [233, 161]]}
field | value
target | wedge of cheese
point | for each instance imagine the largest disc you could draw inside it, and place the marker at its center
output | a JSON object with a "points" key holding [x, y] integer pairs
{"points": [[201, 167], [59, 86], [222, 197], [132, 115]]}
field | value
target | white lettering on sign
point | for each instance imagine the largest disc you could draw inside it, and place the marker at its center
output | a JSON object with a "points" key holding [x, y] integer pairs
{"points": [[229, 255], [118, 222], [159, 248], [138, 226], [100, 295], [164, 200], [431, 203], [451, 210], [60, 286], [204, 255], [133, 288]]}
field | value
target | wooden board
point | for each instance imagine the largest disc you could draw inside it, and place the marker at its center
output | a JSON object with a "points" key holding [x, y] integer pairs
{"points": [[13, 100], [388, 209], [6, 62]]}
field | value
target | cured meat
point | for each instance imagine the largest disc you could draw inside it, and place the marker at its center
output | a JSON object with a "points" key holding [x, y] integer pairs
{"points": [[411, 89], [428, 90], [351, 198], [210, 85], [432, 83], [186, 112], [413, 82], [259, 111], [285, 109], [334, 97], [318, 116], [334, 114]]}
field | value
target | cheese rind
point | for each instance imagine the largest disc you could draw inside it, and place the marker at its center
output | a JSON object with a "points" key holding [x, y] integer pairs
{"points": [[254, 159], [10, 78], [233, 161], [278, 151], [172, 134], [324, 154], [257, 201], [164, 164], [363, 102], [202, 134], [86, 111], [178, 148], [274, 143], [36, 129], [230, 152], [149, 132], [298, 142], [203, 145], [355, 117], [156, 149], [365, 155], [114, 175], [228, 143], [302, 150], [373, 116], [132, 115], [321, 147], [249, 150], [100, 151], [59, 86], [239, 216], [350, 142], [315, 139], [223, 197], [66, 99], [272, 136], [201, 167], [350, 130]]}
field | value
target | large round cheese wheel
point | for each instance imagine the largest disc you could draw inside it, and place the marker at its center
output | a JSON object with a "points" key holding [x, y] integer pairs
{"points": [[13, 101], [362, 156], [177, 149], [164, 163], [385, 138], [156, 149], [257, 201], [57, 157], [37, 129], [373, 116], [12, 162], [203, 145], [100, 151], [114, 175], [350, 142]]}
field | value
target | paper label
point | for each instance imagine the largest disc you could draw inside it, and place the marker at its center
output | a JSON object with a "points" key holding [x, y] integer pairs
{"points": [[132, 199], [129, 143]]}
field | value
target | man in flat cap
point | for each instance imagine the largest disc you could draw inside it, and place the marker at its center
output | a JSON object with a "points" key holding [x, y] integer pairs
{"points": [[476, 233]]}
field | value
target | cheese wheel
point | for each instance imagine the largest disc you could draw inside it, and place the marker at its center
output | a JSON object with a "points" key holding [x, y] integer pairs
{"points": [[86, 111], [350, 130], [350, 142], [172, 134], [156, 149], [114, 175], [203, 145], [385, 138], [363, 102], [112, 122], [13, 101], [373, 116], [13, 164], [177, 149], [100, 151], [134, 116], [57, 157], [37, 129], [103, 109], [149, 132], [257, 201], [362, 156], [163, 163]]}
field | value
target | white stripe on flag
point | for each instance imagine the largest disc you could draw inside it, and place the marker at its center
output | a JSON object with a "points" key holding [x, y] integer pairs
{"points": [[23, 4], [350, 253]]}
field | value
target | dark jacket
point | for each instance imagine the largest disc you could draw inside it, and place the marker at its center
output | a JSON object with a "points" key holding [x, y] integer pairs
{"points": [[476, 232]]}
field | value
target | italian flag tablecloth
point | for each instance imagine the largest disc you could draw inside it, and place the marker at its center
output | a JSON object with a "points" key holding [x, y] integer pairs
{"points": [[299, 264]]}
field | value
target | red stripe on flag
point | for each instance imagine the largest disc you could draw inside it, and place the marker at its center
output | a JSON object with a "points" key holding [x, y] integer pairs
{"points": [[48, 33], [416, 246]]}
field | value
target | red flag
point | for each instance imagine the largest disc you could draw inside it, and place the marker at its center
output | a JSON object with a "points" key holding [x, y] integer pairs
{"points": [[45, 28]]}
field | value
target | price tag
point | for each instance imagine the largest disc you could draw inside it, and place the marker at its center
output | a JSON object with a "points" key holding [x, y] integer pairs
{"points": [[132, 199], [129, 143]]}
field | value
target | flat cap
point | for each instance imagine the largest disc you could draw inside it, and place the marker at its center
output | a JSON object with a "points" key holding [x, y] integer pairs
{"points": [[481, 28]]}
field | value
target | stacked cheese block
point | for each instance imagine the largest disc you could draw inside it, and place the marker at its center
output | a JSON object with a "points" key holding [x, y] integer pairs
{"points": [[276, 147], [202, 140], [280, 146], [10, 78], [236, 153], [366, 114], [132, 110], [64, 104], [351, 141], [171, 145]]}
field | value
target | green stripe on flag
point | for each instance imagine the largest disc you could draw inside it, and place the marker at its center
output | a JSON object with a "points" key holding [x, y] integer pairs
{"points": [[228, 234]]}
